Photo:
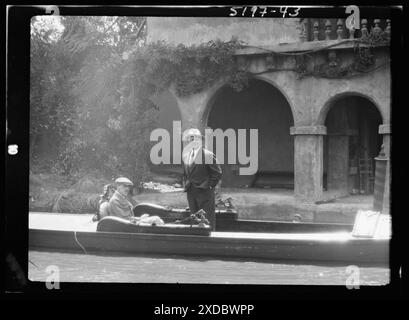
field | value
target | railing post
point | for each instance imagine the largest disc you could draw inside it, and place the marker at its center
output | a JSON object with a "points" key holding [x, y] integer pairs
{"points": [[328, 30], [303, 32], [340, 30], [316, 31], [388, 27], [364, 29], [376, 29]]}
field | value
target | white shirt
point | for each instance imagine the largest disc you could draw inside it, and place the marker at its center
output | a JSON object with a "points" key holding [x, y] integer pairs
{"points": [[192, 156], [190, 153]]}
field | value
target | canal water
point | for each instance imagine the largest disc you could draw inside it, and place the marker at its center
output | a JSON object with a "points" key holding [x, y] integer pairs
{"points": [[81, 267]]}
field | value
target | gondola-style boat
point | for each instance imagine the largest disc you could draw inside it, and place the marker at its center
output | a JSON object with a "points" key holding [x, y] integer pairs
{"points": [[233, 238]]}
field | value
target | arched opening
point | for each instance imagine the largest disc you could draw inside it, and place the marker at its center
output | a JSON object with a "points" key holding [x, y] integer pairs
{"points": [[350, 146], [259, 106]]}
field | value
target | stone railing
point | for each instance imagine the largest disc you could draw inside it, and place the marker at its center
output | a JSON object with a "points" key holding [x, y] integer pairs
{"points": [[335, 29]]}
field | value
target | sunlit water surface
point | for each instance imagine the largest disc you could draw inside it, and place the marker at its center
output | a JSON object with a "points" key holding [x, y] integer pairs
{"points": [[79, 267]]}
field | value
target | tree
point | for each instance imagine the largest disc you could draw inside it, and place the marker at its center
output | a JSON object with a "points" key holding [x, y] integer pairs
{"points": [[84, 95]]}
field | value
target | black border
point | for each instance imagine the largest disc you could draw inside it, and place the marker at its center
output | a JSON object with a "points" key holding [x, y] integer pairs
{"points": [[17, 172]]}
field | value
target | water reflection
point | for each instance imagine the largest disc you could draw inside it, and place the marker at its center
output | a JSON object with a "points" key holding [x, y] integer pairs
{"points": [[75, 267]]}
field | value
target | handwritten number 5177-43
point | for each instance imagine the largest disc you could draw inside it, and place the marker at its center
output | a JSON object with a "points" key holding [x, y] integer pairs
{"points": [[262, 11]]}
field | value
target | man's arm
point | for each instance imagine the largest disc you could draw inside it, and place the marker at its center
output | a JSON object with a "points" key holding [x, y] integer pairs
{"points": [[184, 176], [215, 170]]}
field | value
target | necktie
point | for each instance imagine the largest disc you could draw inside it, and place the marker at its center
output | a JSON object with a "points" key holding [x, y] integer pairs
{"points": [[191, 159]]}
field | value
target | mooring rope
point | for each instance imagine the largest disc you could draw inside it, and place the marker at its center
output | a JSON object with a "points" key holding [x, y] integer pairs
{"points": [[76, 240], [33, 264]]}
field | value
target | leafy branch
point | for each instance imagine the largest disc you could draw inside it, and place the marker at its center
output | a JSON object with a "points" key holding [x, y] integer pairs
{"points": [[190, 69]]}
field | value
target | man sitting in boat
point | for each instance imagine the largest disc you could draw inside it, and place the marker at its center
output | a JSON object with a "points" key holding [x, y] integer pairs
{"points": [[120, 204]]}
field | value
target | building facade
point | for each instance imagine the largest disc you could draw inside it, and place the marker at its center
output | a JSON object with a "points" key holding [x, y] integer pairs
{"points": [[320, 129]]}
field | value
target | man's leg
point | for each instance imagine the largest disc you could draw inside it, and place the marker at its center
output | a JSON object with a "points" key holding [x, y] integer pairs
{"points": [[192, 201], [206, 199]]}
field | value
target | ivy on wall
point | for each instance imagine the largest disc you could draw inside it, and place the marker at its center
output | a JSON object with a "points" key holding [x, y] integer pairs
{"points": [[188, 69], [363, 62]]}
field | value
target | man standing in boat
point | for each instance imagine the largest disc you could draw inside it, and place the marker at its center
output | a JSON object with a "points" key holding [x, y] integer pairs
{"points": [[120, 204], [202, 173]]}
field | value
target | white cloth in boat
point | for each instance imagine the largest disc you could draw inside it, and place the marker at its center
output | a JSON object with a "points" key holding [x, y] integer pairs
{"points": [[120, 206], [147, 220]]}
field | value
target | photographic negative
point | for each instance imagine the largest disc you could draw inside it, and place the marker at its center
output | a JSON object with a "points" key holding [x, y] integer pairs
{"points": [[168, 148]]}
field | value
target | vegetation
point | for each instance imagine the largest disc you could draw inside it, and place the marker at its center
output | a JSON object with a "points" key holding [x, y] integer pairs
{"points": [[363, 62], [91, 82], [85, 115], [189, 69]]}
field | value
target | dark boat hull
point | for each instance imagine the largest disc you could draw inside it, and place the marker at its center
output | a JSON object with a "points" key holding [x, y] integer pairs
{"points": [[65, 232], [261, 226], [357, 251]]}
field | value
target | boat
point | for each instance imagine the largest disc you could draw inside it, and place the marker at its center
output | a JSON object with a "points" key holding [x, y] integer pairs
{"points": [[273, 241]]}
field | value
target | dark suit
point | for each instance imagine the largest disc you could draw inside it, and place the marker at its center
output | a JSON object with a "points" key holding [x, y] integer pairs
{"points": [[200, 179]]}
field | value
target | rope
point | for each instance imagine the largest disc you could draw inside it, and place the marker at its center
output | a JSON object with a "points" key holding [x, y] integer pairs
{"points": [[33, 264], [76, 240]]}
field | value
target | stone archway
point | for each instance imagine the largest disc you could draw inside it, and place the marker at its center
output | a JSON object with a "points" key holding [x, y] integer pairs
{"points": [[259, 106], [351, 144]]}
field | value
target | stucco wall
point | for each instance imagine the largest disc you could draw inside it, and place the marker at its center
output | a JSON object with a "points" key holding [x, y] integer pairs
{"points": [[311, 97]]}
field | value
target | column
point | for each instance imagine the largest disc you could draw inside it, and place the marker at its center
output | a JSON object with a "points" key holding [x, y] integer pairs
{"points": [[386, 131], [308, 162], [385, 155]]}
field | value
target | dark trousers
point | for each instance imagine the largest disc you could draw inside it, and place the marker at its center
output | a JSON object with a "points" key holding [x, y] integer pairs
{"points": [[202, 199]]}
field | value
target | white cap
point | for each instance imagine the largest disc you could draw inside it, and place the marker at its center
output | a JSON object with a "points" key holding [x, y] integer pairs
{"points": [[123, 180], [191, 132]]}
